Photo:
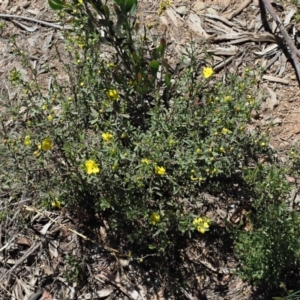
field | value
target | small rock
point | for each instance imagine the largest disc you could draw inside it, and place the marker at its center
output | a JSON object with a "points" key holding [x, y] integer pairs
{"points": [[181, 10], [212, 11], [277, 121], [199, 5]]}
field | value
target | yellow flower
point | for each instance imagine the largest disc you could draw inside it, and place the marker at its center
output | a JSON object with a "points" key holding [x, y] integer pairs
{"points": [[113, 94], [56, 204], [228, 98], [91, 167], [201, 224], [207, 72], [106, 136], [160, 170], [198, 151], [197, 221], [222, 149], [171, 142], [80, 1], [145, 161], [154, 218], [110, 65], [36, 153], [27, 141], [50, 118], [123, 135], [200, 229], [46, 144], [225, 130]]}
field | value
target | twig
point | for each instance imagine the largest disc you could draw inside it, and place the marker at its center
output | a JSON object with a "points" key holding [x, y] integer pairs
{"points": [[294, 51], [4, 16], [238, 10]]}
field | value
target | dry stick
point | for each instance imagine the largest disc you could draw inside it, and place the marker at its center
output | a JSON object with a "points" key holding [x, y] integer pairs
{"points": [[294, 51], [238, 10], [35, 20]]}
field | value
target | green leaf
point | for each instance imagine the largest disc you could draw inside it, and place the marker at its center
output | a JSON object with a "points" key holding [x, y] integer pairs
{"points": [[126, 5], [168, 80], [154, 66], [160, 50], [151, 247], [56, 4], [99, 7]]}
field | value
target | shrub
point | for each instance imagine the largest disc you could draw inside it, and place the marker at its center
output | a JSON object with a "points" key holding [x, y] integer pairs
{"points": [[272, 246], [127, 138]]}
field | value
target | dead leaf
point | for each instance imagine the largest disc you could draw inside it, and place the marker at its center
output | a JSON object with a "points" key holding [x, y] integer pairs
{"points": [[47, 41], [222, 213], [28, 28], [45, 228], [290, 178], [24, 241], [272, 101]]}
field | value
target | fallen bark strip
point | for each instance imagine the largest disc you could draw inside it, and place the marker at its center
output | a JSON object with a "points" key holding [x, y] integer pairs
{"points": [[246, 36], [294, 51]]}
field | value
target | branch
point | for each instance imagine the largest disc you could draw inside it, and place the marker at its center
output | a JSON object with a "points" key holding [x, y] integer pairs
{"points": [[294, 51], [4, 16]]}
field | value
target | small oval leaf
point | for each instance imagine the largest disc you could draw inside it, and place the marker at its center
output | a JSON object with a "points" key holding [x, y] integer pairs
{"points": [[56, 4], [154, 65]]}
